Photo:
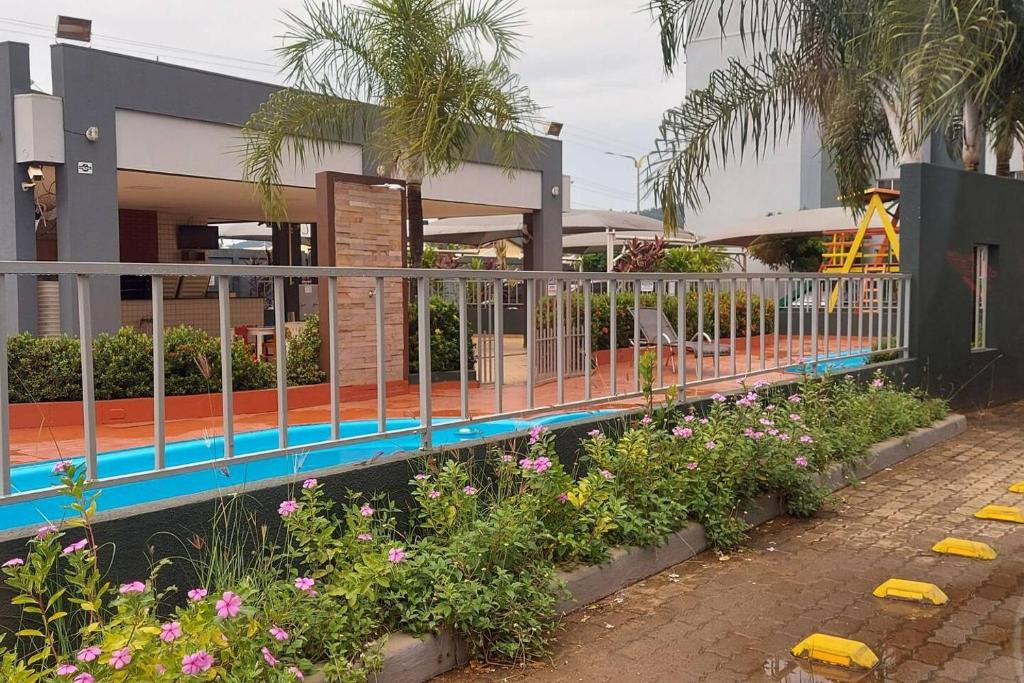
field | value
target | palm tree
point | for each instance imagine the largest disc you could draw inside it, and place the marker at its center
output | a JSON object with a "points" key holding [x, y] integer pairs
{"points": [[1004, 108], [439, 72], [877, 76]]}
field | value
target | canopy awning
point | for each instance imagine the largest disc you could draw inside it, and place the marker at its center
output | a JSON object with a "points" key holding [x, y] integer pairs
{"points": [[794, 224]]}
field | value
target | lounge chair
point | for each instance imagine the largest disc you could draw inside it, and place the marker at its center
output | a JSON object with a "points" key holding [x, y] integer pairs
{"points": [[648, 323]]}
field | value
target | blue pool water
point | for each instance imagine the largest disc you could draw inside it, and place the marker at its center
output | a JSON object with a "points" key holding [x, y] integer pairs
{"points": [[831, 365], [118, 463]]}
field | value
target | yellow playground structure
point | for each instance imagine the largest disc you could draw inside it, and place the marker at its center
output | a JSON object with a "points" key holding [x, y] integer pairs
{"points": [[873, 247]]}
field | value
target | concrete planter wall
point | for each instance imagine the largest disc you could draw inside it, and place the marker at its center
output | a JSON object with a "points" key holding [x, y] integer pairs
{"points": [[412, 660]]}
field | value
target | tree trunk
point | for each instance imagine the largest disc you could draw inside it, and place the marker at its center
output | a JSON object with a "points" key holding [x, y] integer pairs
{"points": [[972, 135], [1002, 162], [415, 198]]}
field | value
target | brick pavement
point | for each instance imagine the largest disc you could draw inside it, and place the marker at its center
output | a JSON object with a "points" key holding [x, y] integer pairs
{"points": [[734, 618]]}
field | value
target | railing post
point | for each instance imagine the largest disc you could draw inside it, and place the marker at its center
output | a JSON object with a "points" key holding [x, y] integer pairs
{"points": [[659, 306], [463, 352], [5, 418], [498, 297], [423, 319], [636, 333], [226, 376], [382, 398], [159, 415], [906, 317], [88, 379], [587, 342], [280, 351], [613, 334], [682, 288], [332, 344], [560, 340]]}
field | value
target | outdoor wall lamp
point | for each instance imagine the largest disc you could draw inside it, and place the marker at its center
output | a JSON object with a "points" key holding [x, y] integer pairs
{"points": [[555, 191], [92, 133]]}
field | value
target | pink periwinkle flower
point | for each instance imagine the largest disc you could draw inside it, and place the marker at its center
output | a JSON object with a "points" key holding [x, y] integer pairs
{"points": [[160, 669], [84, 678], [60, 467], [507, 457], [535, 433], [76, 546], [646, 420], [607, 475], [711, 445], [88, 654], [133, 587], [396, 555], [682, 432], [878, 383], [795, 417], [773, 431], [365, 537], [434, 494], [44, 531], [469, 490], [783, 436], [594, 433], [66, 669], [197, 594], [228, 605], [769, 408], [421, 477], [800, 461], [278, 633], [170, 631], [541, 464], [806, 438], [766, 422], [310, 484], [761, 383], [297, 672], [703, 420], [692, 465], [119, 659], [13, 562], [304, 583], [287, 507], [526, 463], [795, 398], [366, 510], [717, 397], [563, 497], [269, 658], [196, 663], [689, 418]]}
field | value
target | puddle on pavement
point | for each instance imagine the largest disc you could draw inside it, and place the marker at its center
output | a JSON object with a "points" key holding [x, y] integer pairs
{"points": [[789, 669]]}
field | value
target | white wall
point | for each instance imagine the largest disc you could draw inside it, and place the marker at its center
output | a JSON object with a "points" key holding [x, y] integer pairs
{"points": [[475, 183]]}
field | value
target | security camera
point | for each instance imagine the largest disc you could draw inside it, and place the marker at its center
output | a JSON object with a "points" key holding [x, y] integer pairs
{"points": [[35, 173]]}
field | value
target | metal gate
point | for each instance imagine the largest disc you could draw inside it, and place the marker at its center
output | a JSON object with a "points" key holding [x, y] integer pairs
{"points": [[559, 331]]}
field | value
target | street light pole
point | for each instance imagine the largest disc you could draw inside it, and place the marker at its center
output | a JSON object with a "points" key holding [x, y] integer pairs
{"points": [[638, 163]]}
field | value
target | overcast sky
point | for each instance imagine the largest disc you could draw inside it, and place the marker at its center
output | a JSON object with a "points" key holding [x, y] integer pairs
{"points": [[593, 64]]}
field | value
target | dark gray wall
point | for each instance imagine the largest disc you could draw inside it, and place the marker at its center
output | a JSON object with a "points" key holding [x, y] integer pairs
{"points": [[17, 213], [944, 213]]}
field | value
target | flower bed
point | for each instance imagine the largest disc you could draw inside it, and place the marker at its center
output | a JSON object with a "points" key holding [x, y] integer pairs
{"points": [[477, 555]]}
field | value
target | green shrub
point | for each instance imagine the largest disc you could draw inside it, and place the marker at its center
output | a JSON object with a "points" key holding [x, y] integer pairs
{"points": [[44, 368], [444, 337], [191, 362], [304, 355], [123, 364]]}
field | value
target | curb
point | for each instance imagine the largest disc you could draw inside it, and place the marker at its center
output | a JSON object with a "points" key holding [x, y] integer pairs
{"points": [[413, 660]]}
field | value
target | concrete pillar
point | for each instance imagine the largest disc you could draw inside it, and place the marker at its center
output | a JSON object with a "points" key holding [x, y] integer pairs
{"points": [[87, 219], [544, 250], [17, 210]]}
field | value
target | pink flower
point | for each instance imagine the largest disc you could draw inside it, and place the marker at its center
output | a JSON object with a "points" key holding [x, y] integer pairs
{"points": [[507, 457], [278, 632], [309, 484], [717, 397], [60, 467], [646, 420], [563, 497], [295, 671], [703, 420], [196, 663], [761, 383], [526, 463], [365, 537], [689, 418], [535, 432], [304, 583], [711, 445], [66, 669], [366, 510], [795, 398], [270, 659], [783, 436], [806, 438], [766, 422], [421, 477], [396, 555], [594, 433], [133, 587], [14, 562], [434, 494], [878, 383], [119, 659], [76, 546], [682, 432], [801, 461], [541, 464], [692, 465], [84, 678], [170, 632], [197, 594], [88, 654], [228, 605], [773, 431], [287, 507], [469, 490], [607, 475], [44, 531], [794, 417]]}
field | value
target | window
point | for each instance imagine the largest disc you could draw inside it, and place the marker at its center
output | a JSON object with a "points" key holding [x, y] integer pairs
{"points": [[981, 259]]}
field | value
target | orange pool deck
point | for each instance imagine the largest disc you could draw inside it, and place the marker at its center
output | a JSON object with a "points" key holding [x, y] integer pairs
{"points": [[47, 442]]}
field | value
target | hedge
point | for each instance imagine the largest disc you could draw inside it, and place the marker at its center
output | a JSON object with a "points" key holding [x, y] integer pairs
{"points": [[43, 369], [444, 337]]}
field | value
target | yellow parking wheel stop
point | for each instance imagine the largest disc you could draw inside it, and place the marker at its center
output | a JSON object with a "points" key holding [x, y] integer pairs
{"points": [[964, 548], [918, 591], [1017, 488], [1003, 513], [836, 650]]}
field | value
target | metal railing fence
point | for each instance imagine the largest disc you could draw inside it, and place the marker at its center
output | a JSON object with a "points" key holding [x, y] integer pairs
{"points": [[719, 327]]}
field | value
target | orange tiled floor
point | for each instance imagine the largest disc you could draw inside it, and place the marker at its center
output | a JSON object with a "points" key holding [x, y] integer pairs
{"points": [[47, 443]]}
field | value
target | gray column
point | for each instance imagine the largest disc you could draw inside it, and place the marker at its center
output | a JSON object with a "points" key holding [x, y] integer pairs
{"points": [[87, 224], [17, 211], [544, 250]]}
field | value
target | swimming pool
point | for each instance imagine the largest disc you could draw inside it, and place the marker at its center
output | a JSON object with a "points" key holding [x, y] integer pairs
{"points": [[124, 462], [831, 364]]}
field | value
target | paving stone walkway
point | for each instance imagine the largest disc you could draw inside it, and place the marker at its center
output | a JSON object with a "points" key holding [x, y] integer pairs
{"points": [[734, 618]]}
